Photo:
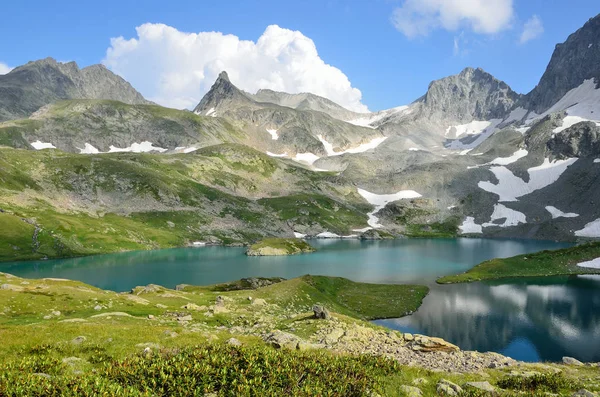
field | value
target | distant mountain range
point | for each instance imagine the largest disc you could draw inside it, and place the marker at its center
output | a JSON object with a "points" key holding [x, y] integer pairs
{"points": [[469, 157]]}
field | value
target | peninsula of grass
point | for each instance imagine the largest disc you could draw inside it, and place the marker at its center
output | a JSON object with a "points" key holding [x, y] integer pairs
{"points": [[279, 247], [560, 262], [368, 301]]}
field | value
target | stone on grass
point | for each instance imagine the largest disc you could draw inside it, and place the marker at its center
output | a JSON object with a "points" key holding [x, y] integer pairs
{"points": [[79, 340], [584, 393], [234, 342], [447, 388], [321, 312], [411, 391], [482, 386], [571, 361], [259, 302]]}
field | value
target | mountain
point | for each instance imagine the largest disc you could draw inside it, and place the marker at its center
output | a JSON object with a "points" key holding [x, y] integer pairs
{"points": [[572, 62], [305, 101], [29, 87], [301, 133], [92, 126]]}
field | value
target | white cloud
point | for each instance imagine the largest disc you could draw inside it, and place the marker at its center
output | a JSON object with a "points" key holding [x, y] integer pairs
{"points": [[532, 29], [4, 68], [176, 68], [419, 17]]}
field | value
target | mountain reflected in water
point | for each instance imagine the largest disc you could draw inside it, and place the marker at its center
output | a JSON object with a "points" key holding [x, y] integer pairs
{"points": [[529, 320]]}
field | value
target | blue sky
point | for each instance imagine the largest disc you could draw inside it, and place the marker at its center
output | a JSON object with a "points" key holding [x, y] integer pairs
{"points": [[357, 37]]}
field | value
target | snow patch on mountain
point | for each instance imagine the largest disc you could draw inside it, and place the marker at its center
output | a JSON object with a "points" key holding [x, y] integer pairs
{"points": [[591, 229], [470, 227], [88, 149], [381, 200], [39, 145], [517, 114], [519, 154], [273, 133], [511, 187], [556, 213], [211, 112], [510, 216], [593, 264], [370, 120], [582, 103], [359, 149], [596, 160], [277, 155], [143, 147], [473, 128], [308, 158], [481, 129]]}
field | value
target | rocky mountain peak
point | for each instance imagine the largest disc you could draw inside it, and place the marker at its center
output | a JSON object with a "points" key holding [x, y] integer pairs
{"points": [[222, 93], [224, 76], [471, 94], [572, 62], [38, 83]]}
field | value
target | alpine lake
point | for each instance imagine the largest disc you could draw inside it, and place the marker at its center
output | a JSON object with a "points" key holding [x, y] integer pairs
{"points": [[527, 319]]}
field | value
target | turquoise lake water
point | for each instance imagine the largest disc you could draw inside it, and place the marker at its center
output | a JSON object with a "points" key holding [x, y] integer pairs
{"points": [[533, 320]]}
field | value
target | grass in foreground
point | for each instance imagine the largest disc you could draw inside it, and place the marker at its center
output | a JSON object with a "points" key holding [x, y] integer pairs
{"points": [[545, 263], [199, 370]]}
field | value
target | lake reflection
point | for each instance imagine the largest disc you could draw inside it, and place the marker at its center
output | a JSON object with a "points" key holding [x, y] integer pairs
{"points": [[528, 320]]}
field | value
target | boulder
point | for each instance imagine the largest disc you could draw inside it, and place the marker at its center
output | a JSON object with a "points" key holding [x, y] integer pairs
{"points": [[283, 340], [234, 342], [447, 388], [571, 361], [431, 344], [259, 302], [485, 387], [321, 312], [411, 391], [79, 340]]}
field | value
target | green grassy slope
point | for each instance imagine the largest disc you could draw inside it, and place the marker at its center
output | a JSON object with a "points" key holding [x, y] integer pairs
{"points": [[539, 264]]}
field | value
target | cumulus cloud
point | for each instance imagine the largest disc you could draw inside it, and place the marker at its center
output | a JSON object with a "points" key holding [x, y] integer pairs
{"points": [[532, 29], [4, 68], [419, 17], [176, 68]]}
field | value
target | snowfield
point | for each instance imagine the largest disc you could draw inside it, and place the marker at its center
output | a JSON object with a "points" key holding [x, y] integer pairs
{"points": [[273, 133], [143, 147], [88, 149], [556, 213], [469, 226], [39, 145], [371, 118], [511, 187], [581, 103], [512, 217], [380, 201], [359, 149], [277, 155], [593, 264], [472, 128], [308, 158], [591, 229]]}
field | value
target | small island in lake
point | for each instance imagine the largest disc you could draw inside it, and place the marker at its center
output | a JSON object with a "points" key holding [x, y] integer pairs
{"points": [[279, 247]]}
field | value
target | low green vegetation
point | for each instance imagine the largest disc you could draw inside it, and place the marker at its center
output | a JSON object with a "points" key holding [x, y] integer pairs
{"points": [[334, 216], [545, 263], [200, 370], [66, 338], [279, 246], [445, 229]]}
